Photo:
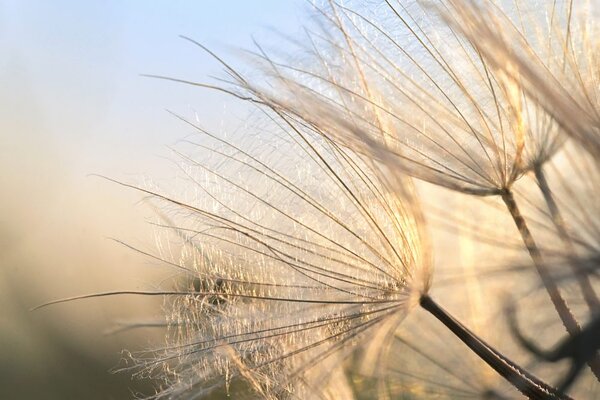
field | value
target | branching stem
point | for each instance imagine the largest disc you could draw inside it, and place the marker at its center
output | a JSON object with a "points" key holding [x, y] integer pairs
{"points": [[561, 306], [589, 294], [522, 380]]}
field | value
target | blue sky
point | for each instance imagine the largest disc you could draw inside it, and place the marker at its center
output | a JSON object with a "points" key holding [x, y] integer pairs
{"points": [[73, 103], [72, 81]]}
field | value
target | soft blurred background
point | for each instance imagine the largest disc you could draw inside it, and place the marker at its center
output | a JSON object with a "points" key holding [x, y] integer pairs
{"points": [[72, 104]]}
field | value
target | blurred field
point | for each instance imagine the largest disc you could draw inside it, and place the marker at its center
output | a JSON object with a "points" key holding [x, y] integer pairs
{"points": [[72, 103]]}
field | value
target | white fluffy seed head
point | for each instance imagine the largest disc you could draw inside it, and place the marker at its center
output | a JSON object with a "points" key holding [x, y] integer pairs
{"points": [[295, 252], [303, 239], [406, 85], [558, 71]]}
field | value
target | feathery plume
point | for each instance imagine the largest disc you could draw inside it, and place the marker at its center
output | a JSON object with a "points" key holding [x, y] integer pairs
{"points": [[565, 86], [304, 240], [287, 284], [405, 87]]}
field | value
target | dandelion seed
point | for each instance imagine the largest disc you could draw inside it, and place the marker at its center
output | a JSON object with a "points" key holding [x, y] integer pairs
{"points": [[567, 86], [522, 64], [456, 124], [404, 87], [303, 283], [308, 244], [291, 274], [471, 122]]}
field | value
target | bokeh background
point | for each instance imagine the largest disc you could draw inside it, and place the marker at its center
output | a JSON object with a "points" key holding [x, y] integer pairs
{"points": [[72, 104]]}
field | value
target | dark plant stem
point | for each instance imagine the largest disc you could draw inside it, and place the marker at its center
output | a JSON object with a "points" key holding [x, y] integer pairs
{"points": [[522, 380], [561, 306], [589, 294]]}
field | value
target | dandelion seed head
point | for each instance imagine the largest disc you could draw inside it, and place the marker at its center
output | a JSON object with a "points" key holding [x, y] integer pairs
{"points": [[416, 93], [289, 263], [561, 75], [302, 242]]}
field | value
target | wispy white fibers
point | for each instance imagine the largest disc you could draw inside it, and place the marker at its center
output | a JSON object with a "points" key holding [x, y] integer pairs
{"points": [[566, 82], [306, 237], [300, 239], [300, 250], [399, 83]]}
